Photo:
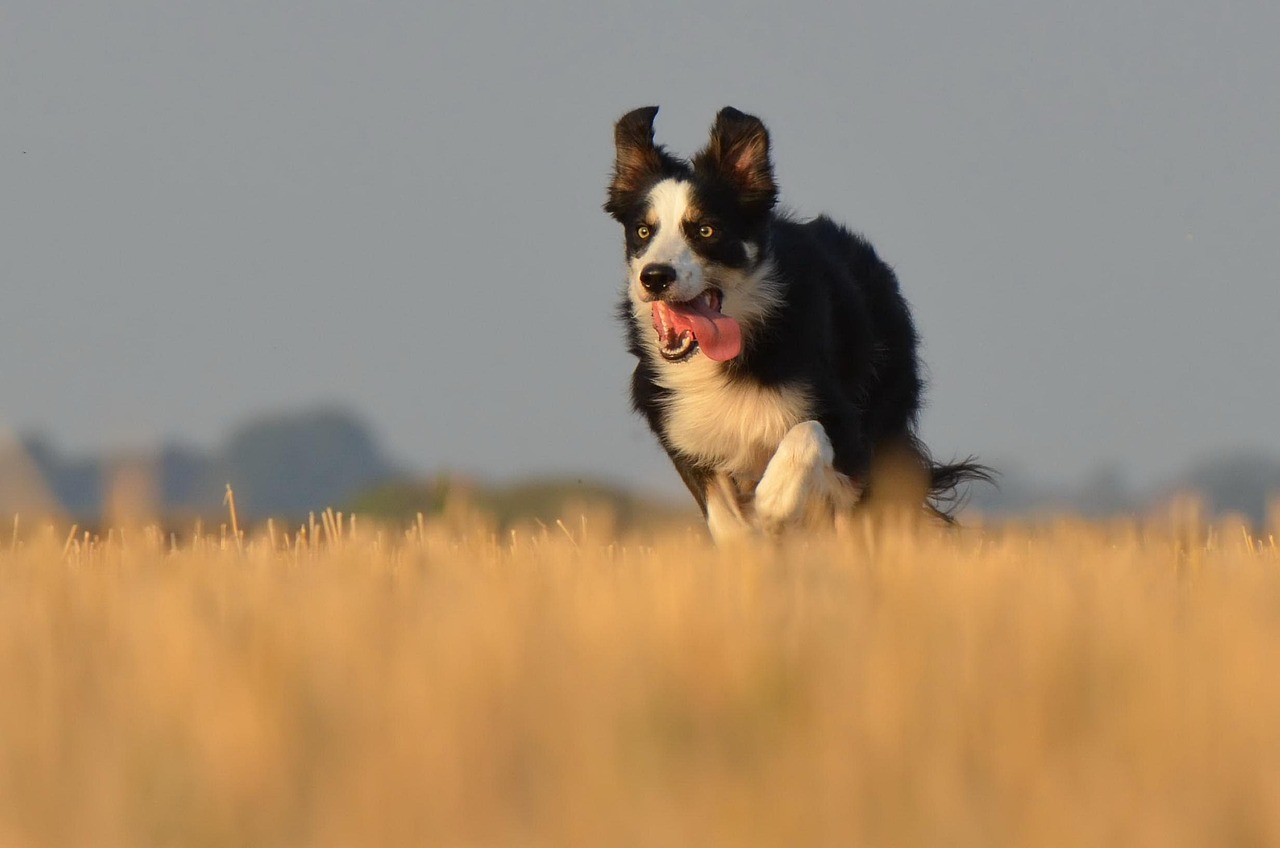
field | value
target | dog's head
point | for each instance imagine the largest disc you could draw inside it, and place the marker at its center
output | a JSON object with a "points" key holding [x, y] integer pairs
{"points": [[695, 233]]}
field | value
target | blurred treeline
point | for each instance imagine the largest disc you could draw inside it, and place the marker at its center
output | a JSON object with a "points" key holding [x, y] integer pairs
{"points": [[287, 465]]}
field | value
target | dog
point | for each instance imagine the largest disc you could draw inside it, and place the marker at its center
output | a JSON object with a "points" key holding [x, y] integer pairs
{"points": [[777, 360]]}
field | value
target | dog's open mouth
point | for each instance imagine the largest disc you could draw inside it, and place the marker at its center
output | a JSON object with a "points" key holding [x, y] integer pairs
{"points": [[698, 324]]}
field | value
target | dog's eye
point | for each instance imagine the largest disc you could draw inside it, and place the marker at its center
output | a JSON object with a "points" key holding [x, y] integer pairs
{"points": [[706, 231], [643, 231]]}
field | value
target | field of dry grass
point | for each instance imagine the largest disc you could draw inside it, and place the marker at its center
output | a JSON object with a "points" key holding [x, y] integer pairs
{"points": [[1066, 684]]}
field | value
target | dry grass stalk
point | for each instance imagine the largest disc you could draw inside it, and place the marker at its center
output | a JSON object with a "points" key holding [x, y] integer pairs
{"points": [[230, 502]]}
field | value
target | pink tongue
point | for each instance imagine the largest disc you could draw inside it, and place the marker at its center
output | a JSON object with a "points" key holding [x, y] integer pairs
{"points": [[718, 335]]}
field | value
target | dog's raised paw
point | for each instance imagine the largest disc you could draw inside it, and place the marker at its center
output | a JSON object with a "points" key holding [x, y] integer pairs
{"points": [[795, 480]]}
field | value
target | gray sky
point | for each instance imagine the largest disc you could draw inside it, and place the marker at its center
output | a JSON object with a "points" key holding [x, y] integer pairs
{"points": [[209, 210]]}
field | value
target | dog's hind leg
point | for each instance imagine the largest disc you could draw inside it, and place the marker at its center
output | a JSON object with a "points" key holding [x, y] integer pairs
{"points": [[800, 486], [725, 519]]}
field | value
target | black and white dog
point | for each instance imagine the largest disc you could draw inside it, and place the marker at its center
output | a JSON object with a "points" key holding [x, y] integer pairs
{"points": [[777, 358]]}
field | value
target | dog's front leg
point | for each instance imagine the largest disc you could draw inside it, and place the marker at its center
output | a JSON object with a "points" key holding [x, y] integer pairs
{"points": [[800, 484]]}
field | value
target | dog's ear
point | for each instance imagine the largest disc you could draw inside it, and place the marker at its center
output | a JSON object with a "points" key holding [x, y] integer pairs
{"points": [[638, 158], [739, 153]]}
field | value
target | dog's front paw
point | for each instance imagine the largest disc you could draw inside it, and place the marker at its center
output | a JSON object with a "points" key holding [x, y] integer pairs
{"points": [[795, 482]]}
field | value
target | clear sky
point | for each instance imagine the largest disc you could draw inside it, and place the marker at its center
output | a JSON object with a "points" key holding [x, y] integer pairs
{"points": [[213, 209]]}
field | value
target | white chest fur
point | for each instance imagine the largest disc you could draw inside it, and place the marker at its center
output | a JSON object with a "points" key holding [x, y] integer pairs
{"points": [[732, 426]]}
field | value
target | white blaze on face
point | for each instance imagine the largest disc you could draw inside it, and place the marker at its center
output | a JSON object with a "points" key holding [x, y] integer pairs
{"points": [[669, 203]]}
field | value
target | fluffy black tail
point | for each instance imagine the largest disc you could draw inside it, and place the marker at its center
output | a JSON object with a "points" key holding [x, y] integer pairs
{"points": [[949, 485]]}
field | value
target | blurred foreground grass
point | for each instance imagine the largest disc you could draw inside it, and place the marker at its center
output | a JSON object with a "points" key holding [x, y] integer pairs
{"points": [[1070, 684]]}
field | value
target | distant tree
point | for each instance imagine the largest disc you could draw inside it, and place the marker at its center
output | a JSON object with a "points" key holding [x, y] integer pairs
{"points": [[188, 480], [291, 463], [1241, 482], [77, 483]]}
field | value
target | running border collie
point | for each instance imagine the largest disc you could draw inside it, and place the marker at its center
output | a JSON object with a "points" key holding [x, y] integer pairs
{"points": [[777, 358]]}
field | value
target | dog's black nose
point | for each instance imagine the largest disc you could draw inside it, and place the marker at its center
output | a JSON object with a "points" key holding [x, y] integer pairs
{"points": [[655, 278]]}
